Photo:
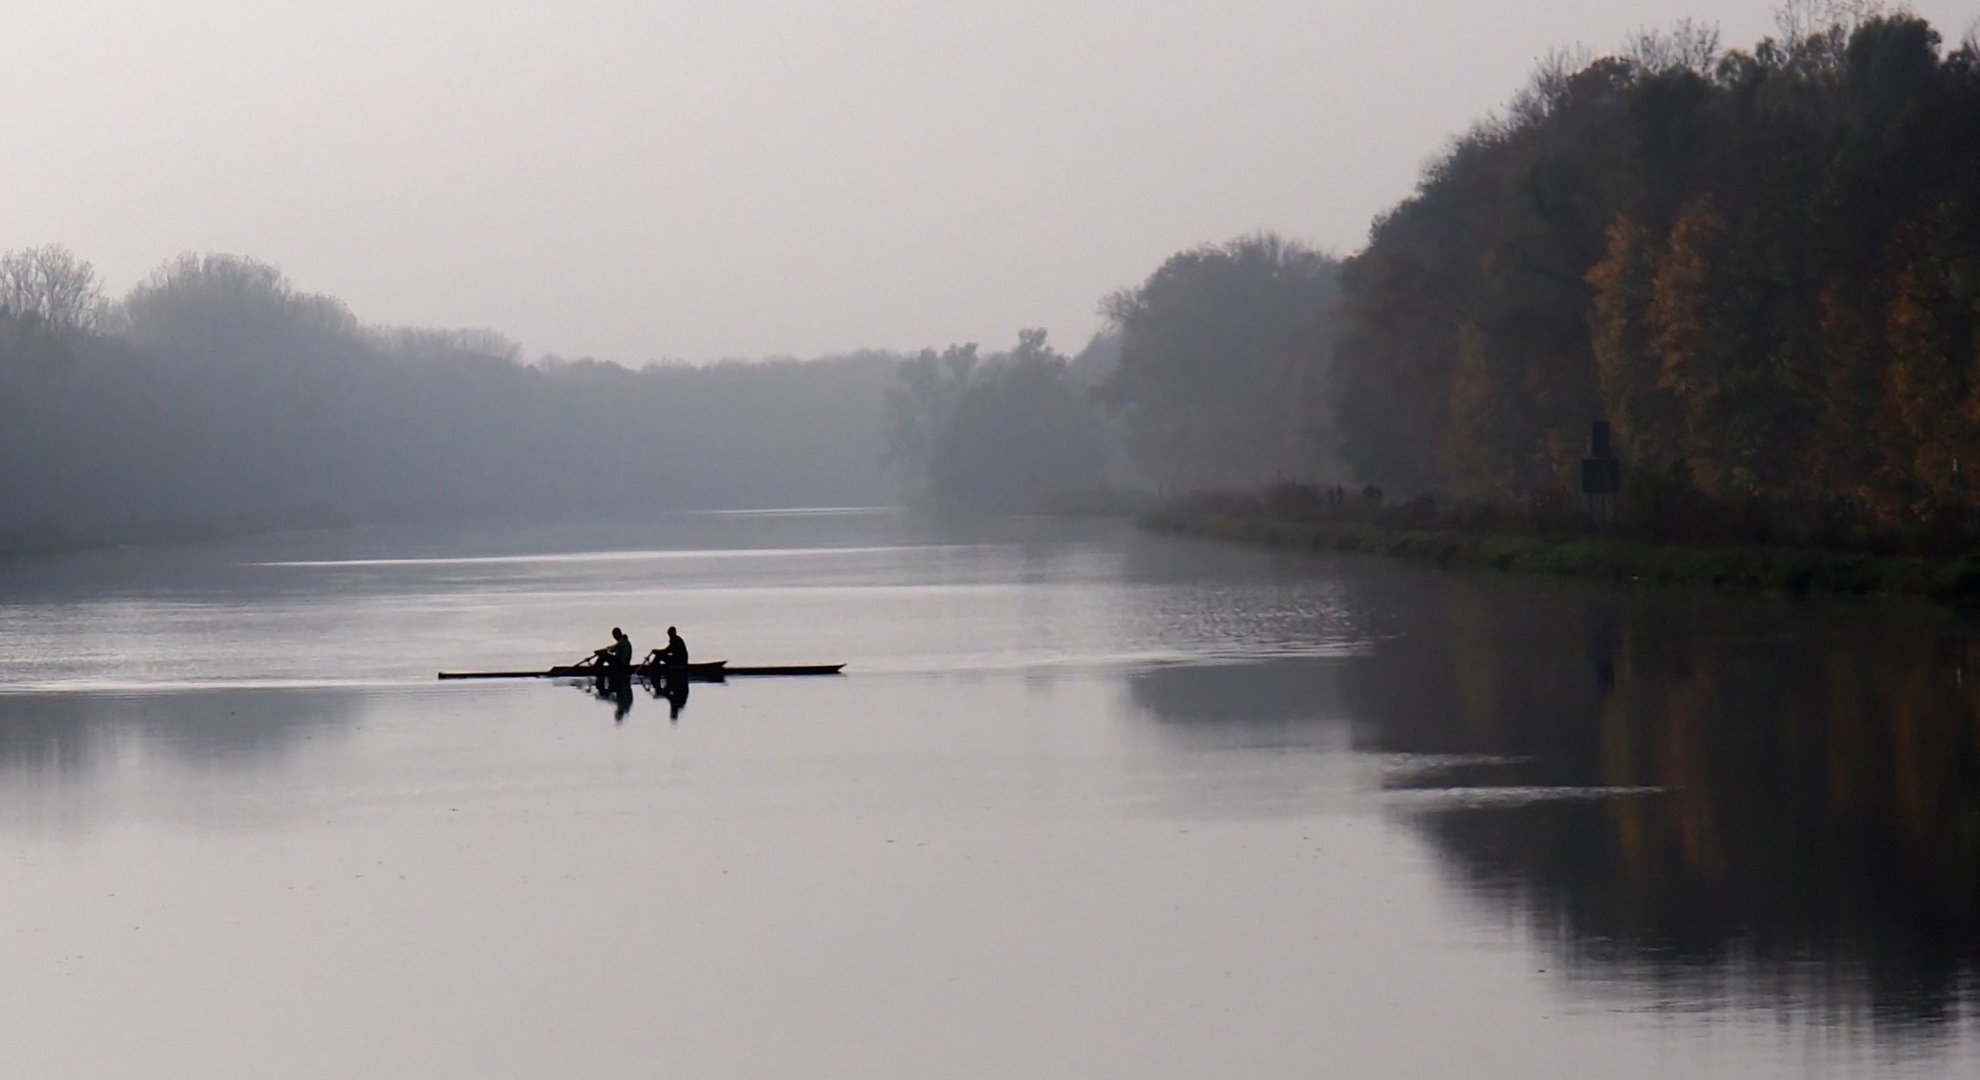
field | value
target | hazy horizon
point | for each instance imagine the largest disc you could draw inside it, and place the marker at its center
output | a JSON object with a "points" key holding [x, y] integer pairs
{"points": [[699, 180]]}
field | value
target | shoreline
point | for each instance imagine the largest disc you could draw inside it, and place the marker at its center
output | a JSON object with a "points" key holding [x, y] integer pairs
{"points": [[1800, 571]]}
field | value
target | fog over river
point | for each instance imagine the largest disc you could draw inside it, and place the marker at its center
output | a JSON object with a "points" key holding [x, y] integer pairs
{"points": [[1088, 802]]}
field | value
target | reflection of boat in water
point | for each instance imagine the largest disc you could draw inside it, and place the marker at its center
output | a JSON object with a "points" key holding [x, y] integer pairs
{"points": [[619, 692], [674, 691], [708, 671], [616, 688]]}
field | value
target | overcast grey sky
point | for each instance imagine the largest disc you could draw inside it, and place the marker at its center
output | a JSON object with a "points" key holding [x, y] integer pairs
{"points": [[707, 178]]}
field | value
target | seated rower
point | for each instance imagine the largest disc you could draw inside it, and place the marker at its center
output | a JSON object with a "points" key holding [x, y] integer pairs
{"points": [[616, 657], [675, 655]]}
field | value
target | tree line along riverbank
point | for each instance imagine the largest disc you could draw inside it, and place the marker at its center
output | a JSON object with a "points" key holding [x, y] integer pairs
{"points": [[1760, 266]]}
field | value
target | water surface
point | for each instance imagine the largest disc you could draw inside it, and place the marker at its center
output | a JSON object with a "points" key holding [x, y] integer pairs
{"points": [[1089, 803]]}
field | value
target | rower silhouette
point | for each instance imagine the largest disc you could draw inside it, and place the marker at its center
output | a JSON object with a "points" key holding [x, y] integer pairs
{"points": [[616, 657], [675, 656]]}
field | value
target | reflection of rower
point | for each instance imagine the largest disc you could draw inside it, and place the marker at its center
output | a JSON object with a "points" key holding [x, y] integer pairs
{"points": [[616, 689], [674, 690], [668, 670]]}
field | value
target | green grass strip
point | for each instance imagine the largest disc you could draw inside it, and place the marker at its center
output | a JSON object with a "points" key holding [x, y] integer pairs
{"points": [[1787, 569]]}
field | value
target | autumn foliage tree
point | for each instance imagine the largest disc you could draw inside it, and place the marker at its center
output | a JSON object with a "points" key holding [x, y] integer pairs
{"points": [[1762, 266]]}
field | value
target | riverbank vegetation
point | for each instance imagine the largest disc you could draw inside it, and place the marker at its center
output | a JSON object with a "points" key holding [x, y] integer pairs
{"points": [[1212, 372], [1561, 539], [1761, 266], [1004, 431]]}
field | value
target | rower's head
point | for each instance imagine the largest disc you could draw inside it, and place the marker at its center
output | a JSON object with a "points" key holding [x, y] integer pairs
{"points": [[671, 632], [618, 634]]}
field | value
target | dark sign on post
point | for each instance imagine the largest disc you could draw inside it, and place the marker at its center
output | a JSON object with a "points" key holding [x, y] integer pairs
{"points": [[1601, 476], [1601, 473], [1598, 440]]}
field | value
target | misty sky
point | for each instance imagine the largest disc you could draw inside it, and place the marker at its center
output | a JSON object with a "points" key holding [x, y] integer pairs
{"points": [[707, 178]]}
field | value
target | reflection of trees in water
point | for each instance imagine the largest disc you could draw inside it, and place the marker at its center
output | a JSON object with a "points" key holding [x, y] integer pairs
{"points": [[1211, 700], [1244, 738], [40, 734], [1820, 827], [75, 733]]}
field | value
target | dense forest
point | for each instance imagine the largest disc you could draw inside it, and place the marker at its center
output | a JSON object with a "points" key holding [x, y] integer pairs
{"points": [[1763, 267]]}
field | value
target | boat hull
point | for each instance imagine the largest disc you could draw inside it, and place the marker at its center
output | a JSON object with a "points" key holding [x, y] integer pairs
{"points": [[706, 671]]}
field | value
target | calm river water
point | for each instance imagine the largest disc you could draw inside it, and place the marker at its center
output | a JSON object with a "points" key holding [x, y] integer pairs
{"points": [[1089, 803]]}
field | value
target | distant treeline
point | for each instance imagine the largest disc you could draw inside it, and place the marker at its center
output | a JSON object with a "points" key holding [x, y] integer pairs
{"points": [[1212, 373], [217, 398], [1762, 266]]}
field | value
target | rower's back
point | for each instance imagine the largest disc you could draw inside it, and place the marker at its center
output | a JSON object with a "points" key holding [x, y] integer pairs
{"points": [[618, 655]]}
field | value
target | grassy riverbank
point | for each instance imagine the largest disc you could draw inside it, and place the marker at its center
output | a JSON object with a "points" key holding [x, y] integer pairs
{"points": [[1772, 568]]}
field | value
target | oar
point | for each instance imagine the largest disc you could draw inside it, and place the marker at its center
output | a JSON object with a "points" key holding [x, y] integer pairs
{"points": [[590, 660]]}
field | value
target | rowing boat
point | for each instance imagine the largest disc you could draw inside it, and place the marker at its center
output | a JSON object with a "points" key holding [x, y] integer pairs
{"points": [[772, 669], [707, 671]]}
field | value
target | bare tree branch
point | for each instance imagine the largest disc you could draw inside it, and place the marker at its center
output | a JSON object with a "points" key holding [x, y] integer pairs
{"points": [[49, 281]]}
